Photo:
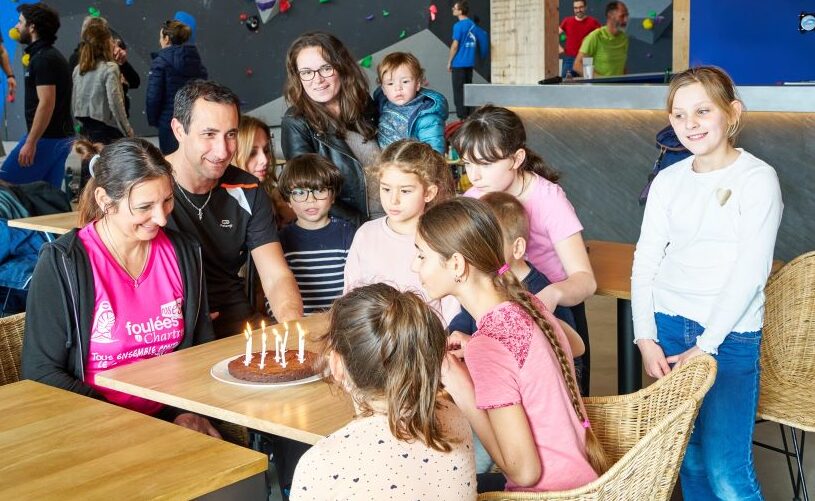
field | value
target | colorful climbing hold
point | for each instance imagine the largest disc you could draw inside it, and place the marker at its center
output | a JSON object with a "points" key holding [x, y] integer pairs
{"points": [[385, 13], [647, 24], [369, 17], [26, 59], [433, 11], [366, 61], [14, 34], [249, 72], [253, 23], [403, 34], [285, 5], [93, 12], [243, 17], [652, 14]]}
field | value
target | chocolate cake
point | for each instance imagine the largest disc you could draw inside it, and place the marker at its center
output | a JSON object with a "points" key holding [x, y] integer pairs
{"points": [[272, 372]]}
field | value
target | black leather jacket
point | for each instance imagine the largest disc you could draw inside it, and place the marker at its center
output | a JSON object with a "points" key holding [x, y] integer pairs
{"points": [[298, 137]]}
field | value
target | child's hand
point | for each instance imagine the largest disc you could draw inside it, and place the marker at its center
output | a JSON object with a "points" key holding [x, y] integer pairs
{"points": [[653, 358], [456, 343], [456, 379], [682, 358]]}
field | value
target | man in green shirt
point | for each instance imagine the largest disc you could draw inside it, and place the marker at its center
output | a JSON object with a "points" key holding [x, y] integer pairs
{"points": [[608, 46]]}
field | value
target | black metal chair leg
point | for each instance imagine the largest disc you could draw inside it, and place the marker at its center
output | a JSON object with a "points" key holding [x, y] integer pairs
{"points": [[801, 483]]}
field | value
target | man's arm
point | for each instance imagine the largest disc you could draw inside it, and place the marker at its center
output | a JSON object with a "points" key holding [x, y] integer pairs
{"points": [[278, 282], [47, 95], [453, 50], [6, 63], [577, 67]]}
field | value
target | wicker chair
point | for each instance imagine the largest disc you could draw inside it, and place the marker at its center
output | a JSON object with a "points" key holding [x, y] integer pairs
{"points": [[11, 345], [644, 435], [787, 352]]}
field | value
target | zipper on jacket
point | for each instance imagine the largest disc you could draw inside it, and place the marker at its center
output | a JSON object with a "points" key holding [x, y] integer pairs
{"points": [[76, 318]]}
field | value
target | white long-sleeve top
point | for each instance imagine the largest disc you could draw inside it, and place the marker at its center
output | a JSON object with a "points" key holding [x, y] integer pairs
{"points": [[706, 248]]}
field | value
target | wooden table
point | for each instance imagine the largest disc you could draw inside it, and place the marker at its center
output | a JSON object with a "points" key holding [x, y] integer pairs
{"points": [[182, 379], [60, 445], [612, 263], [52, 223]]}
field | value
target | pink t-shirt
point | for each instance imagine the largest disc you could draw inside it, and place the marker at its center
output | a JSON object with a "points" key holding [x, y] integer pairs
{"points": [[379, 254], [511, 362], [551, 220], [132, 322]]}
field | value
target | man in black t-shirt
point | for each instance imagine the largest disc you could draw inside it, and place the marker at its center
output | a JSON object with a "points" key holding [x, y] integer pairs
{"points": [[40, 155], [225, 209]]}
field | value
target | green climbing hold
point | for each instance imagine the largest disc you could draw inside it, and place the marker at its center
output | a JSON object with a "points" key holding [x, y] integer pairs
{"points": [[403, 34], [385, 13], [652, 14], [94, 12], [366, 61]]}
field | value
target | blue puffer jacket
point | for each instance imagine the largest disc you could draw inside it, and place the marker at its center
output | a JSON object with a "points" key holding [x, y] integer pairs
{"points": [[172, 67], [427, 122]]}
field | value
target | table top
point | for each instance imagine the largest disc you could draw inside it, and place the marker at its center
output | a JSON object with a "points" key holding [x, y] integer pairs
{"points": [[182, 379], [612, 263], [52, 223], [60, 445]]}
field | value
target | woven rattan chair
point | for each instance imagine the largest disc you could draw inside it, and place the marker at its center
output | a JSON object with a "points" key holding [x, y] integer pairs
{"points": [[11, 345], [788, 358], [644, 434]]}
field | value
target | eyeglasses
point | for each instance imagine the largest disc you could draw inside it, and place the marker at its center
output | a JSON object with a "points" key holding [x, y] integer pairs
{"points": [[307, 74], [301, 194]]}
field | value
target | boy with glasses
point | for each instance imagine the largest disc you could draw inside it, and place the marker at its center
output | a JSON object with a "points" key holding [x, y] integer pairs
{"points": [[316, 245]]}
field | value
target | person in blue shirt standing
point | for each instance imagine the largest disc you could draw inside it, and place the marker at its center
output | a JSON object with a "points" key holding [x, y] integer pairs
{"points": [[462, 55]]}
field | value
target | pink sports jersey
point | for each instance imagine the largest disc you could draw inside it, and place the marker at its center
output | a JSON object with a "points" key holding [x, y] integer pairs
{"points": [[132, 320]]}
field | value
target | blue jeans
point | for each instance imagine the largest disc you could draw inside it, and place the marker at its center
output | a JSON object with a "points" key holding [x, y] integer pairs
{"points": [[719, 461], [49, 162]]}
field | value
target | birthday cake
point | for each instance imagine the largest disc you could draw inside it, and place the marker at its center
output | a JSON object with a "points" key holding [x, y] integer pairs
{"points": [[273, 372]]}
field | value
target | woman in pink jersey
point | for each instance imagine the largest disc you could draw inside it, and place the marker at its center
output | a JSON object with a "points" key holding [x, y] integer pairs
{"points": [[492, 143], [518, 388], [121, 288]]}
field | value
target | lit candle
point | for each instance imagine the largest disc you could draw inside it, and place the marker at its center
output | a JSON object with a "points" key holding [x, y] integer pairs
{"points": [[276, 345], [248, 357], [283, 349], [301, 344], [263, 349]]}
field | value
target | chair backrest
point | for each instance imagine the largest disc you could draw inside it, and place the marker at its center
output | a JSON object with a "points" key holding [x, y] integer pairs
{"points": [[788, 338], [653, 426], [11, 346], [621, 421]]}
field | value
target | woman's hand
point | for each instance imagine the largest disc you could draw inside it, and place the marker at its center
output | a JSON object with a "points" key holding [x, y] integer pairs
{"points": [[456, 342], [653, 358], [682, 358], [196, 423]]}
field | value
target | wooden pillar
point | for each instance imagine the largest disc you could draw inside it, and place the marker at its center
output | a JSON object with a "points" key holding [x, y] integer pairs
{"points": [[681, 35], [524, 39]]}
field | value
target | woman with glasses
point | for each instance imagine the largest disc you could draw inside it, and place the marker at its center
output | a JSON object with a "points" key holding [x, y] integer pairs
{"points": [[173, 66], [255, 155], [331, 113]]}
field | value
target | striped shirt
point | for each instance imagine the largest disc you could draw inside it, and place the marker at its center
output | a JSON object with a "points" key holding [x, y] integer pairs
{"points": [[317, 259]]}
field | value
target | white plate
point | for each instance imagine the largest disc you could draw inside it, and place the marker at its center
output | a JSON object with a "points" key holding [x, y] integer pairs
{"points": [[220, 371]]}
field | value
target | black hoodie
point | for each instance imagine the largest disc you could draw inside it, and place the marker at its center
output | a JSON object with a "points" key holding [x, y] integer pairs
{"points": [[172, 67], [60, 309]]}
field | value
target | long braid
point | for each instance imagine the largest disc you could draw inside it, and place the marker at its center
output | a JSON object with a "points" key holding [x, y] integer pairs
{"points": [[518, 293]]}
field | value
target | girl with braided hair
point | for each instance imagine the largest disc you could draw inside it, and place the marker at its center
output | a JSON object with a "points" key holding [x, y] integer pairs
{"points": [[518, 388]]}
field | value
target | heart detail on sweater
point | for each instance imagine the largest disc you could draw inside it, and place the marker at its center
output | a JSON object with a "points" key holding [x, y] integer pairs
{"points": [[723, 195]]}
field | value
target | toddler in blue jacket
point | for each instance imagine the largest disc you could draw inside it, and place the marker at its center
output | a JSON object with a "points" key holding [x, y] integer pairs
{"points": [[406, 110]]}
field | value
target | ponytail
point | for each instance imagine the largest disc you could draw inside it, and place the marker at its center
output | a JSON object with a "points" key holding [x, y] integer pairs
{"points": [[392, 345], [535, 163], [517, 293], [89, 210]]}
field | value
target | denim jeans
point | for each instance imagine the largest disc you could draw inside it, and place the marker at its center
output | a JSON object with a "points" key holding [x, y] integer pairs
{"points": [[719, 461], [568, 63]]}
